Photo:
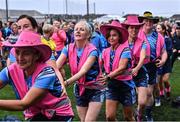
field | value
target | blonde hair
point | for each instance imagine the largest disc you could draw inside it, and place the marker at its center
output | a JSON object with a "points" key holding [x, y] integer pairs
{"points": [[14, 24], [47, 28], [64, 24], [87, 27]]}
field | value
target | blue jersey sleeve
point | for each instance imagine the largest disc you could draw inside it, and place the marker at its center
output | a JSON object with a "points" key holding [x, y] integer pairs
{"points": [[48, 79], [126, 53], [65, 51], [94, 53], [45, 79], [4, 77], [144, 45]]}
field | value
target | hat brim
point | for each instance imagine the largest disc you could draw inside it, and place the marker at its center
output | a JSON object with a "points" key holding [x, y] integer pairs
{"points": [[155, 20], [42, 48], [132, 24], [105, 28]]}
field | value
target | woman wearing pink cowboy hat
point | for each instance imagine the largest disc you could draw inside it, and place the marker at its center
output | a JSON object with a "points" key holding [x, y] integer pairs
{"points": [[38, 87], [139, 57], [157, 51], [117, 64], [25, 23]]}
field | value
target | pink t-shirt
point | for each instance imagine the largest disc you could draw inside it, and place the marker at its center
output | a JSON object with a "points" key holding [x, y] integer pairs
{"points": [[60, 39]]}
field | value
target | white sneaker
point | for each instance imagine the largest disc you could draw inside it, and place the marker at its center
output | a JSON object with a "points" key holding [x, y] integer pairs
{"points": [[178, 58], [157, 102]]}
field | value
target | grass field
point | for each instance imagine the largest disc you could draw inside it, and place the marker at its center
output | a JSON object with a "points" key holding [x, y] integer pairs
{"points": [[163, 113]]}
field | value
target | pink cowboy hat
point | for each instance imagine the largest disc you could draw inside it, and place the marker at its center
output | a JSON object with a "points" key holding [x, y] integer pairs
{"points": [[31, 39], [132, 20], [115, 25]]}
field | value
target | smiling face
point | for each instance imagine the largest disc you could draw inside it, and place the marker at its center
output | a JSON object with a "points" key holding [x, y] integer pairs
{"points": [[159, 29], [133, 31], [26, 57], [114, 37], [81, 31], [148, 24]]}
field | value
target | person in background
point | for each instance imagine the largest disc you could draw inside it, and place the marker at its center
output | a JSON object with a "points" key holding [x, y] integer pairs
{"points": [[1, 49], [48, 30], [7, 29], [65, 27], [166, 69], [168, 25], [39, 29], [104, 42], [95, 39], [139, 58], [176, 44], [12, 39], [83, 61], [59, 36], [38, 87], [173, 29], [158, 55], [116, 61], [1, 33], [71, 30]]}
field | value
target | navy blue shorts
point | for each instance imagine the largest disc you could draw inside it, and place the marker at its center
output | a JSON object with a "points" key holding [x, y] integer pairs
{"points": [[141, 80], [40, 117], [58, 54], [90, 95], [122, 91], [152, 72], [166, 68]]}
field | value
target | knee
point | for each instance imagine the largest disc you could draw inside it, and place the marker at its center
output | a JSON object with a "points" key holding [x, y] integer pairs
{"points": [[142, 102]]}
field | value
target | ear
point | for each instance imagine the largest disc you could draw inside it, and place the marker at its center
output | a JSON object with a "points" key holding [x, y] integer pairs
{"points": [[37, 56]]}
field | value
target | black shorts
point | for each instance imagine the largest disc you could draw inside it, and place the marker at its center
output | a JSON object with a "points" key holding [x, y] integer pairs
{"points": [[166, 68], [152, 72]]}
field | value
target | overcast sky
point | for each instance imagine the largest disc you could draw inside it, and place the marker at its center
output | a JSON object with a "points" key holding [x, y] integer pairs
{"points": [[116, 7]]}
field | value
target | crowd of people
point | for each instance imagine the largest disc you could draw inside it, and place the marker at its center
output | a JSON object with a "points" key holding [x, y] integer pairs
{"points": [[124, 63]]}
